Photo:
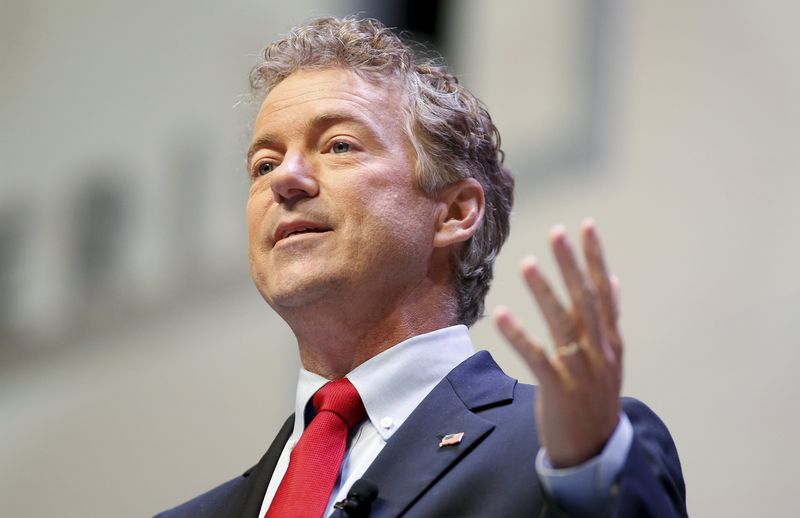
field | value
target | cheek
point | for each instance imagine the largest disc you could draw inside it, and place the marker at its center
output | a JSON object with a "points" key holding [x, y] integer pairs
{"points": [[255, 210], [256, 236], [252, 223], [404, 223]]}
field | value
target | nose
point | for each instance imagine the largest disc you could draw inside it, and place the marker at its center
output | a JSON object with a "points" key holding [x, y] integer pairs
{"points": [[294, 179]]}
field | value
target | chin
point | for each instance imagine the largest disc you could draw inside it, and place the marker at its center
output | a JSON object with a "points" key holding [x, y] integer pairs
{"points": [[298, 291]]}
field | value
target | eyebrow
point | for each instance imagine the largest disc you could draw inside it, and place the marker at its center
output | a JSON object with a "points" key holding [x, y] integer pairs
{"points": [[319, 122]]}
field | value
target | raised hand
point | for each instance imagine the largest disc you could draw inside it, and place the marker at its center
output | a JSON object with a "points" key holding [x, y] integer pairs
{"points": [[577, 404]]}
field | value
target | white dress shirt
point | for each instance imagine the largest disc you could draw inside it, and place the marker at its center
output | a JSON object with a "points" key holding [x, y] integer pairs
{"points": [[392, 384]]}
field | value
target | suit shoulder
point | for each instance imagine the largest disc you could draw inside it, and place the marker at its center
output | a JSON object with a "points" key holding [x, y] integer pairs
{"points": [[212, 503], [652, 480], [646, 423]]}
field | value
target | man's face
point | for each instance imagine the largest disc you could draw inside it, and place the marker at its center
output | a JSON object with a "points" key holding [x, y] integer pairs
{"points": [[334, 213]]}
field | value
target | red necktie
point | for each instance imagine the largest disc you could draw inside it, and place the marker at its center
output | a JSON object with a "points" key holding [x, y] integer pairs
{"points": [[314, 462]]}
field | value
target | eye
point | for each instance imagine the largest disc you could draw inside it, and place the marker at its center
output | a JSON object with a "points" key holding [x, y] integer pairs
{"points": [[340, 146], [264, 168]]}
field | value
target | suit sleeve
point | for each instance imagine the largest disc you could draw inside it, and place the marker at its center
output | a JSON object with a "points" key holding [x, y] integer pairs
{"points": [[650, 483]]}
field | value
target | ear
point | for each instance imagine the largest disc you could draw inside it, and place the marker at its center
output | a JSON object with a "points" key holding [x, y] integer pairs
{"points": [[459, 212]]}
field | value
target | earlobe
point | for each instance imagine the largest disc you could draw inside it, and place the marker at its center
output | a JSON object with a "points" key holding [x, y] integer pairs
{"points": [[459, 213]]}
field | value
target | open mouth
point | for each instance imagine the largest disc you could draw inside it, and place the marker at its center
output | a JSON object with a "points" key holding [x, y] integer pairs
{"points": [[303, 231], [294, 230]]}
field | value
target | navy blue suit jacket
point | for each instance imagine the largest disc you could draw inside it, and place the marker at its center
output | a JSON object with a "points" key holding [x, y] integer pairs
{"points": [[490, 473]]}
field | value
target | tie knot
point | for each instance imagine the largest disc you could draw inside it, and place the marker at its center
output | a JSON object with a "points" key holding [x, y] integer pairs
{"points": [[341, 398]]}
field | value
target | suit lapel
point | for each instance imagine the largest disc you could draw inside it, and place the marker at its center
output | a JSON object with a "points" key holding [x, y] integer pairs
{"points": [[412, 460], [257, 478]]}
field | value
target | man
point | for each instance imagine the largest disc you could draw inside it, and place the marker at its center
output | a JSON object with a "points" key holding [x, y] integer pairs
{"points": [[378, 203]]}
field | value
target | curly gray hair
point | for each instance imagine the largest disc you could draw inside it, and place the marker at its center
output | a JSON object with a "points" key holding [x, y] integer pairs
{"points": [[450, 130]]}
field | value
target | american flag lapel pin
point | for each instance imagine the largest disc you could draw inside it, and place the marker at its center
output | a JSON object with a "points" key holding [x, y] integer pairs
{"points": [[451, 439]]}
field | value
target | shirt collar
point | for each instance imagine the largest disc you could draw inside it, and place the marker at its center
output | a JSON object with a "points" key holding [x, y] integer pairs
{"points": [[393, 383]]}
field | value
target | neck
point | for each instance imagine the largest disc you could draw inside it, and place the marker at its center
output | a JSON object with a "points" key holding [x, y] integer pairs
{"points": [[338, 336]]}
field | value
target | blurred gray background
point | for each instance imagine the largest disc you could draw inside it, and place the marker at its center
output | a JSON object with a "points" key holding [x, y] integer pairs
{"points": [[138, 366]]}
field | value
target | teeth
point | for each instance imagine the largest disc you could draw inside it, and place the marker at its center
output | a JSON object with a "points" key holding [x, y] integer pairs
{"points": [[298, 230]]}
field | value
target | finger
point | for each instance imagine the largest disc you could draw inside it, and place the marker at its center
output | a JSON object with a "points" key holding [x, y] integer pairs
{"points": [[573, 360], [598, 272], [615, 295], [615, 338], [559, 321], [596, 265], [580, 288], [569, 358], [533, 352]]}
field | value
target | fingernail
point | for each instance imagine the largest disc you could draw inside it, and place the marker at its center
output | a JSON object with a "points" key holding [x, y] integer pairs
{"points": [[529, 262], [558, 232]]}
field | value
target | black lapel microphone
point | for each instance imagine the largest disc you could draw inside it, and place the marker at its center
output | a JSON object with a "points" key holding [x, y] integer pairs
{"points": [[359, 499]]}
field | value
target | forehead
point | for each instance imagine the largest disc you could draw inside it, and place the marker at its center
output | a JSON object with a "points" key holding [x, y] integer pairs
{"points": [[333, 90]]}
